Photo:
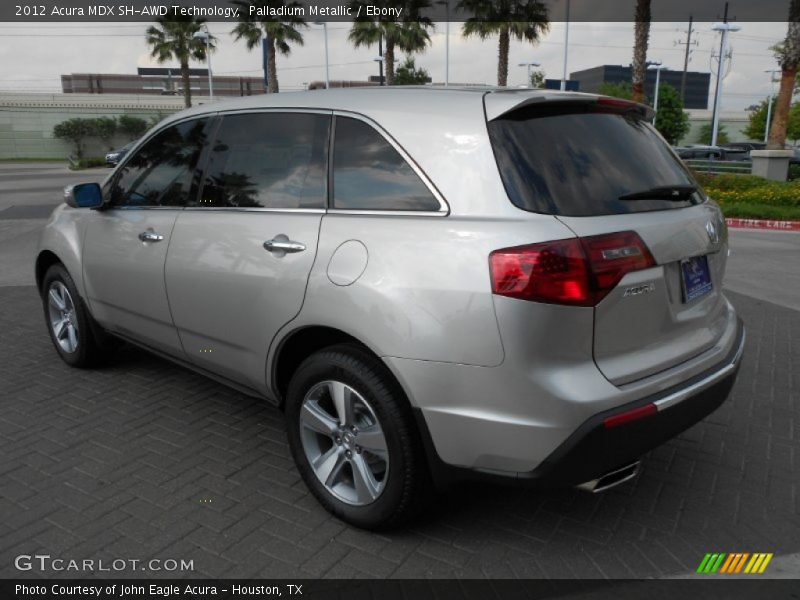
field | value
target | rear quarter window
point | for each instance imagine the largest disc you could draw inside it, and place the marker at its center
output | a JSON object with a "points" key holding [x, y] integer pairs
{"points": [[575, 161], [369, 174]]}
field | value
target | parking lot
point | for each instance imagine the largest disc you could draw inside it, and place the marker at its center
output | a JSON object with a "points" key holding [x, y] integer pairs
{"points": [[145, 460]]}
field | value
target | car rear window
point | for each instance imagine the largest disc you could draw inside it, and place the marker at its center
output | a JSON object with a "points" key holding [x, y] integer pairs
{"points": [[578, 161]]}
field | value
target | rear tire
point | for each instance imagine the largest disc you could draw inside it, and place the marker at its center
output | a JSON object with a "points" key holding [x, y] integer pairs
{"points": [[69, 323], [354, 439]]}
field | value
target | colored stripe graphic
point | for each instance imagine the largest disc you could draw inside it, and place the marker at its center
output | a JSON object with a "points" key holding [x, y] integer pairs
{"points": [[718, 563], [741, 563], [732, 560], [733, 563], [758, 563], [703, 563], [711, 563]]}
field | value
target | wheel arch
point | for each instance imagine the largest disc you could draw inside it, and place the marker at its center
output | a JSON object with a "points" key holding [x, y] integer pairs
{"points": [[44, 260], [301, 343]]}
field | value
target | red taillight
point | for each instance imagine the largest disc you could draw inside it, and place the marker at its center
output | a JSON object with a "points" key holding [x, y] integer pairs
{"points": [[577, 271], [551, 272], [613, 255], [630, 415]]}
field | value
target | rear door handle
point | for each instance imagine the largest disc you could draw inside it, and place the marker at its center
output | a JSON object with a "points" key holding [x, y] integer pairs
{"points": [[283, 244], [150, 236]]}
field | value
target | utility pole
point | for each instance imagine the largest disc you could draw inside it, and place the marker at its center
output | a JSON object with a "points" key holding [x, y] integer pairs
{"points": [[688, 44], [722, 40], [566, 48]]}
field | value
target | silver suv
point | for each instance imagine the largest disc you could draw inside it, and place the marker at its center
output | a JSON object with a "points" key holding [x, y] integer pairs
{"points": [[430, 283]]}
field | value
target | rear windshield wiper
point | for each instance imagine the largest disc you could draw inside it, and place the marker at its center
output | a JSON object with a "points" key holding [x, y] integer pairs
{"points": [[666, 192]]}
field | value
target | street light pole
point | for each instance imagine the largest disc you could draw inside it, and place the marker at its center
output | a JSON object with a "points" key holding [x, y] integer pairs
{"points": [[657, 67], [447, 44], [206, 35], [566, 50], [769, 101], [724, 29], [327, 64]]}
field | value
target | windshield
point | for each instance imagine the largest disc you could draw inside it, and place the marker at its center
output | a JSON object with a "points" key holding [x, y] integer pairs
{"points": [[576, 161]]}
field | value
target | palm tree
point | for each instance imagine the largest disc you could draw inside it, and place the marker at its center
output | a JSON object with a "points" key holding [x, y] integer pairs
{"points": [[788, 55], [641, 35], [408, 33], [524, 20], [174, 38], [280, 32]]}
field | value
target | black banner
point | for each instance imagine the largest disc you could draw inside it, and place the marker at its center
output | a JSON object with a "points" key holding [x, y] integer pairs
{"points": [[42, 11], [710, 587]]}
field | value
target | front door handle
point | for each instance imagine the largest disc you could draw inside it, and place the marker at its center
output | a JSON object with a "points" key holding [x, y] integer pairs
{"points": [[282, 244], [150, 236]]}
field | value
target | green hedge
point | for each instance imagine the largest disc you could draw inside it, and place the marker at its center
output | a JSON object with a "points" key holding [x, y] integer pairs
{"points": [[751, 197], [87, 163]]}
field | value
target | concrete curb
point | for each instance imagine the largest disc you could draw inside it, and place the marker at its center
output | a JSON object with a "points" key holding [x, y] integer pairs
{"points": [[763, 224]]}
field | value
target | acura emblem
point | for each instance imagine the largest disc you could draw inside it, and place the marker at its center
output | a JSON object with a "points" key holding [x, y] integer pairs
{"points": [[713, 234]]}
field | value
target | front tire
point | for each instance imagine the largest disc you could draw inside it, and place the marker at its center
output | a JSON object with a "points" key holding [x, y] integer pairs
{"points": [[68, 321], [354, 440]]}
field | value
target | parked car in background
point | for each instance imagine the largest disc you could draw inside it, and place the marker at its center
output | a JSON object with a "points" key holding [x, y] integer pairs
{"points": [[746, 146], [431, 283], [115, 156], [712, 153]]}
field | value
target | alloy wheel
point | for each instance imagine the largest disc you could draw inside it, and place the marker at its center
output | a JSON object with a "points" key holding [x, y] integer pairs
{"points": [[63, 318], [344, 443]]}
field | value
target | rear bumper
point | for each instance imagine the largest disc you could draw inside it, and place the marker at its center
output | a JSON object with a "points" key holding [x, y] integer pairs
{"points": [[593, 449]]}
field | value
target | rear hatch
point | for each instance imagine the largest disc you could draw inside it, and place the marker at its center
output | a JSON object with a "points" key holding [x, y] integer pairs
{"points": [[600, 167]]}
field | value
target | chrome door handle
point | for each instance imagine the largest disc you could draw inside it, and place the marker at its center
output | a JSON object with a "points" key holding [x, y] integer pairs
{"points": [[150, 236], [281, 245]]}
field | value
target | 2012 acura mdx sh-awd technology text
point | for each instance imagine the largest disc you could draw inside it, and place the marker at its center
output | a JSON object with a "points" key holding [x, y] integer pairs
{"points": [[431, 283]]}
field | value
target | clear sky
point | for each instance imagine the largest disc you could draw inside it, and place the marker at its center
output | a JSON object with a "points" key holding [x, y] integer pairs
{"points": [[33, 56]]}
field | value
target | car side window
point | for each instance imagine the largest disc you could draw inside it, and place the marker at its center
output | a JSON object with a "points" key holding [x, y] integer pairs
{"points": [[268, 160], [160, 173], [369, 174]]}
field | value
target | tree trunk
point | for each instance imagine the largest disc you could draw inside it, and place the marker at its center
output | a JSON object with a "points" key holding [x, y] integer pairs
{"points": [[388, 59], [780, 115], [789, 60], [272, 69], [502, 58], [187, 86], [641, 35]]}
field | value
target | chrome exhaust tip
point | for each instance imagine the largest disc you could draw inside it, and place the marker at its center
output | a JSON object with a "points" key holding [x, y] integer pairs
{"points": [[611, 479]]}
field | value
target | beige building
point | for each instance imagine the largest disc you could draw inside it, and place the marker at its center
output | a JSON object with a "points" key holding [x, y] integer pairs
{"points": [[27, 120], [735, 122]]}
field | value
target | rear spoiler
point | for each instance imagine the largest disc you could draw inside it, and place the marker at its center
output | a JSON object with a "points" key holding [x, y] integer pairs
{"points": [[500, 103]]}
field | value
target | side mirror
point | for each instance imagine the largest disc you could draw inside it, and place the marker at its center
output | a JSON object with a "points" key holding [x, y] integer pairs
{"points": [[84, 195]]}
